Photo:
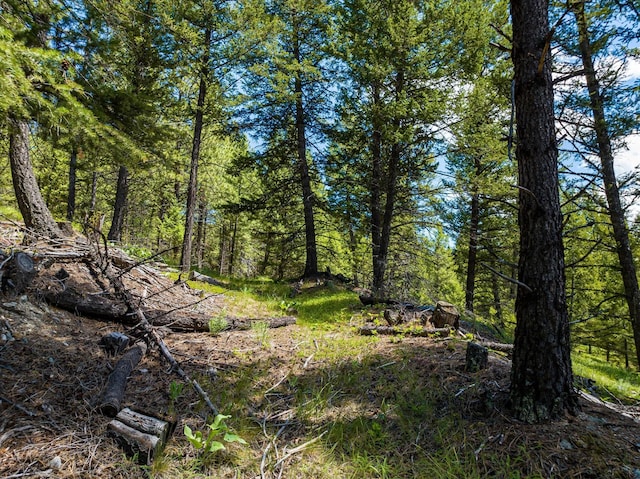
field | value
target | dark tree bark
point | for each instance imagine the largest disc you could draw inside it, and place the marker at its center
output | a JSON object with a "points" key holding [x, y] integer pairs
{"points": [[201, 232], [71, 194], [117, 383], [234, 244], [616, 211], [120, 206], [308, 197], [473, 252], [185, 257], [541, 376], [379, 263], [94, 193], [35, 213], [390, 182]]}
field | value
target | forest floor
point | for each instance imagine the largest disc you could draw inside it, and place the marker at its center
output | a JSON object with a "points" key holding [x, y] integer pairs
{"points": [[312, 400]]}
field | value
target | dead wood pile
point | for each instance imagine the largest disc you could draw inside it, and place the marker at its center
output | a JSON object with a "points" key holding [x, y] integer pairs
{"points": [[71, 275]]}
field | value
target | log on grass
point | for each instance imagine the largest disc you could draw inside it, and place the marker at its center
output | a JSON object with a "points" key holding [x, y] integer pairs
{"points": [[111, 402], [370, 330], [203, 278], [241, 324], [502, 347], [102, 306]]}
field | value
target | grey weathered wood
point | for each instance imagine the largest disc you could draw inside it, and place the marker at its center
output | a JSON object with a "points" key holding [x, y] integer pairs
{"points": [[135, 442], [203, 278], [107, 307], [143, 423], [369, 330]]}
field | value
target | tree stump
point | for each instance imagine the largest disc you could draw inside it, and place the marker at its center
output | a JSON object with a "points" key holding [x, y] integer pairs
{"points": [[445, 314], [477, 357], [16, 272]]}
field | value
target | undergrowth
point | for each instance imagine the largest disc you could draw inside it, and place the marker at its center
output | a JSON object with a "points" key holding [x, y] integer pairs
{"points": [[345, 406]]}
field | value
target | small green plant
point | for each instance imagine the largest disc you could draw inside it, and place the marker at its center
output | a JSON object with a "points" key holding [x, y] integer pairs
{"points": [[175, 390], [288, 307], [217, 324], [218, 433], [261, 330]]}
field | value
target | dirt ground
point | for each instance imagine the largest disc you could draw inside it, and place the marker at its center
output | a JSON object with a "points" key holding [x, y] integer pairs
{"points": [[52, 374]]}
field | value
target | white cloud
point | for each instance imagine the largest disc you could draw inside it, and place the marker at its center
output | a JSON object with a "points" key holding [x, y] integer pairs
{"points": [[628, 159], [632, 71]]}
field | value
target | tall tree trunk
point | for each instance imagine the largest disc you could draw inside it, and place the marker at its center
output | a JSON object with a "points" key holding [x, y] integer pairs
{"points": [[473, 252], [234, 236], [541, 376], [71, 194], [222, 257], [390, 196], [185, 257], [201, 233], [308, 198], [94, 193], [120, 207], [616, 211], [35, 213], [376, 194], [497, 303]]}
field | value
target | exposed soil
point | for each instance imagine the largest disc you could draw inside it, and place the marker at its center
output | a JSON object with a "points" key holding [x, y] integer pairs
{"points": [[52, 373]]}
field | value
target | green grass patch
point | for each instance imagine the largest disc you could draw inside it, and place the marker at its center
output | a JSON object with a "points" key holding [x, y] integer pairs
{"points": [[612, 381]]}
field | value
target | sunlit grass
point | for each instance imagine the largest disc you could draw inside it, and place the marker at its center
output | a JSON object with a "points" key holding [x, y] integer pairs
{"points": [[612, 381]]}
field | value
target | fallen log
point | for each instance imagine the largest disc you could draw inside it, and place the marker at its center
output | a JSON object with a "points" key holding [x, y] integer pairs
{"points": [[93, 305], [369, 330], [502, 347], [153, 335], [113, 394], [147, 424], [105, 307], [203, 278], [241, 324], [136, 443]]}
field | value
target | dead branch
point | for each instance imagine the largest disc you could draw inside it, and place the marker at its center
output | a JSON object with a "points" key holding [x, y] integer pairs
{"points": [[369, 330]]}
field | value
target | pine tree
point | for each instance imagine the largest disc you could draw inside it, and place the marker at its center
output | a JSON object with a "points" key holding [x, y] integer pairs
{"points": [[541, 375]]}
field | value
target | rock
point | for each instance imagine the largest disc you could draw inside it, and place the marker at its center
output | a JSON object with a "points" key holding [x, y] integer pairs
{"points": [[55, 463], [445, 314], [477, 357], [566, 445]]}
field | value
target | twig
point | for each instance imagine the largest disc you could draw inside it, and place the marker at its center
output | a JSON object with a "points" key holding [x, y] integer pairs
{"points": [[307, 361], [144, 325], [19, 407], [272, 443], [277, 384], [298, 449], [507, 278], [13, 432]]}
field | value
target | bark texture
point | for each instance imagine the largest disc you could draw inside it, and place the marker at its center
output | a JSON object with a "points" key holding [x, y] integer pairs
{"points": [[308, 197], [120, 206], [541, 377], [33, 208], [185, 258]]}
